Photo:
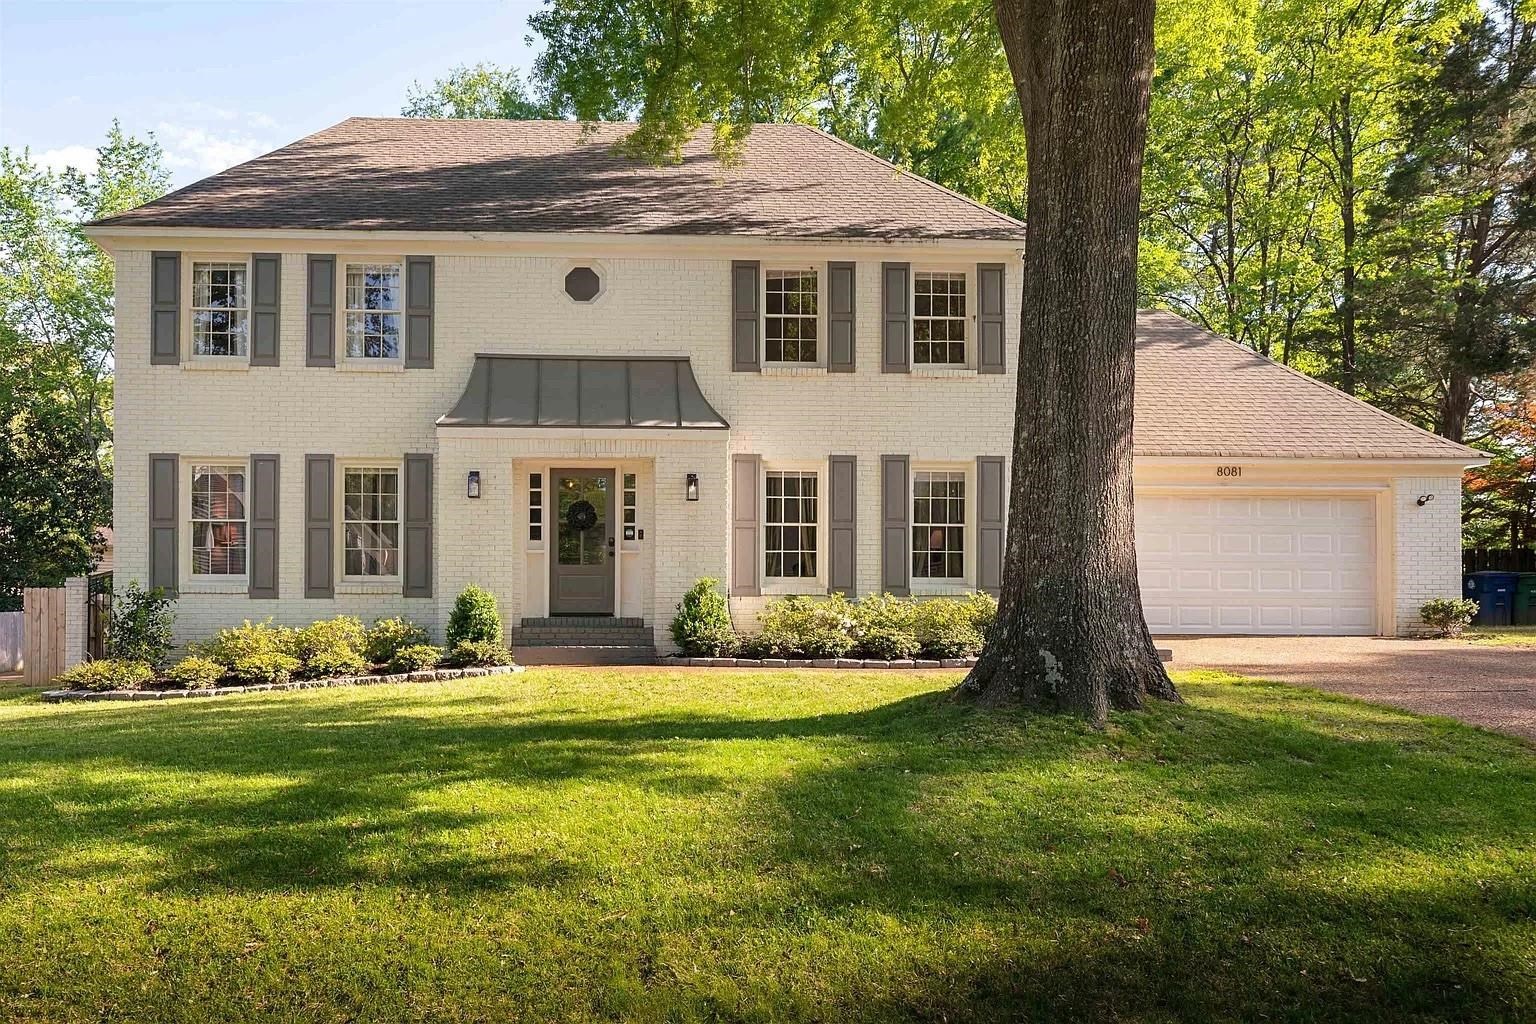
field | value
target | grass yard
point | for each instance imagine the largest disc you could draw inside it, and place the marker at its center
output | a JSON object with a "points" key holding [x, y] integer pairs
{"points": [[573, 845], [1503, 636]]}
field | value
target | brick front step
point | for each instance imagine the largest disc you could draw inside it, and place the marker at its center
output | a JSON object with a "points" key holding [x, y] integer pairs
{"points": [[583, 622], [588, 654], [542, 636]]}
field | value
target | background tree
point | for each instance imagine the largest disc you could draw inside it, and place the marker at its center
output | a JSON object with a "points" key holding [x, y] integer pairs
{"points": [[55, 357], [1074, 637], [475, 91]]}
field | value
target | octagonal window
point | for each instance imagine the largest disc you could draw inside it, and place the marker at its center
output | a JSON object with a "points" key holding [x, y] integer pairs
{"points": [[583, 284]]}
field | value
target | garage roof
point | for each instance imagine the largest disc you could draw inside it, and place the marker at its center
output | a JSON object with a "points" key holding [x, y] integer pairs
{"points": [[1200, 395]]}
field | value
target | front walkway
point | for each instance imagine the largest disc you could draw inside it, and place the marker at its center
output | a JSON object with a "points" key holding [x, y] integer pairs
{"points": [[1490, 686]]}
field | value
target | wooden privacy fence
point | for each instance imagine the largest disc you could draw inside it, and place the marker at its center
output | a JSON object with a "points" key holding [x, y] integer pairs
{"points": [[11, 631], [44, 610], [1498, 560]]}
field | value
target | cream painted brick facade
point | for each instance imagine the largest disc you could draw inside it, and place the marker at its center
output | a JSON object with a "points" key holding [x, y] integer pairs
{"points": [[499, 300]]}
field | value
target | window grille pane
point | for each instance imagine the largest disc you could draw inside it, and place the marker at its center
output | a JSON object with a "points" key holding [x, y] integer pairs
{"points": [[789, 534]]}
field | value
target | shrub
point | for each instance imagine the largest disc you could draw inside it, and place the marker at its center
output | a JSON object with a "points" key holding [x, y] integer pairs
{"points": [[982, 609], [107, 674], [387, 637], [245, 640], [141, 625], [415, 658], [886, 627], [194, 673], [271, 667], [472, 653], [474, 618], [946, 628], [702, 626], [1448, 615], [807, 627], [331, 647]]}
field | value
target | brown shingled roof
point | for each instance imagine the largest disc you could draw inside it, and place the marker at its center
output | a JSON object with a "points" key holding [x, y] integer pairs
{"points": [[412, 174], [1200, 395]]}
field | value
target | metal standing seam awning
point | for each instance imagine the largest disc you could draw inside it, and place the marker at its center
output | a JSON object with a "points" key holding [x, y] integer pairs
{"points": [[588, 391]]}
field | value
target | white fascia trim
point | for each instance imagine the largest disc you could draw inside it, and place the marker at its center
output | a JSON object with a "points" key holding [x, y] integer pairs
{"points": [[571, 243], [1433, 467]]}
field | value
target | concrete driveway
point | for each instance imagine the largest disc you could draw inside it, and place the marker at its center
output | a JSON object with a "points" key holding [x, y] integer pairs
{"points": [[1490, 686]]}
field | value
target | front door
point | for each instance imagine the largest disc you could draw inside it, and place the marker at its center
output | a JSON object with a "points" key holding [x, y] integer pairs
{"points": [[581, 573]]}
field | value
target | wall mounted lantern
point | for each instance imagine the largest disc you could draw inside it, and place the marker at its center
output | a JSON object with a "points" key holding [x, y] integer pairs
{"points": [[692, 489], [473, 487], [1425, 499]]}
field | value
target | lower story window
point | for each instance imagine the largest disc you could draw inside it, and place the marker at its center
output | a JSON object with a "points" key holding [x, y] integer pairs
{"points": [[371, 509], [790, 526], [218, 520], [938, 525]]}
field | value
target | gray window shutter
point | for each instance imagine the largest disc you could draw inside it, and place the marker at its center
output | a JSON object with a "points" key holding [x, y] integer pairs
{"points": [[895, 317], [895, 531], [841, 320], [842, 506], [164, 511], [416, 560], [991, 500], [992, 288], [266, 292], [744, 317], [320, 346], [319, 530], [419, 287], [263, 512], [165, 308], [746, 471]]}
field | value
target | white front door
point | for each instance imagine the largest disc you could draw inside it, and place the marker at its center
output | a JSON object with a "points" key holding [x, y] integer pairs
{"points": [[1224, 562]]}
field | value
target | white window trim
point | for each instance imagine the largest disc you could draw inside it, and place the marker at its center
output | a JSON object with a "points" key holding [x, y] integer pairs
{"points": [[190, 582], [785, 586], [965, 369], [779, 366], [374, 364], [919, 586], [368, 584], [190, 360]]}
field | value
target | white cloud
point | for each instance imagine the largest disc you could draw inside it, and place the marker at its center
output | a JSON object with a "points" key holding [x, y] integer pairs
{"points": [[189, 148], [81, 158]]}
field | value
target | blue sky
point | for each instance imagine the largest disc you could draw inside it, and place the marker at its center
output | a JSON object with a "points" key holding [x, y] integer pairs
{"points": [[220, 82]]}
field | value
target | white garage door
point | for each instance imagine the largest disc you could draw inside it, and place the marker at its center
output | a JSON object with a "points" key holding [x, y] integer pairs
{"points": [[1263, 563]]}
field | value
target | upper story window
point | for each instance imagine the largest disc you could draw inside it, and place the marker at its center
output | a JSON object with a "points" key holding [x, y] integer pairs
{"points": [[373, 310], [218, 520], [583, 284], [938, 318], [220, 309], [371, 517], [938, 525], [789, 526], [790, 315]]}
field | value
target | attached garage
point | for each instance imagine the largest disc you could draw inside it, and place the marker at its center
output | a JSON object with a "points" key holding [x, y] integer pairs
{"points": [[1232, 562]]}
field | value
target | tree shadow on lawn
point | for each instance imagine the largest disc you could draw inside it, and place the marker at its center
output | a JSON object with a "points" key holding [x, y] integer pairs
{"points": [[1258, 852]]}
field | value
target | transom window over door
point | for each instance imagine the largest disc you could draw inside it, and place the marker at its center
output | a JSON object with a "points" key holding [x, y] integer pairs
{"points": [[938, 525], [790, 316], [938, 319], [371, 513], [373, 310], [218, 520], [220, 309], [790, 526]]}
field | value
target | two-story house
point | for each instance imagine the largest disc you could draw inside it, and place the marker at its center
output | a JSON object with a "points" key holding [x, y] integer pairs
{"points": [[401, 356]]}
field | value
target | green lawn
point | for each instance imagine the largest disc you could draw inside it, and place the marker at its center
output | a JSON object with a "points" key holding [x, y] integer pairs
{"points": [[671, 846], [1513, 636]]}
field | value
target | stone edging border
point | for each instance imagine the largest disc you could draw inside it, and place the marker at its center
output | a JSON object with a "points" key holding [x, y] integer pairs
{"points": [[435, 675], [679, 660]]}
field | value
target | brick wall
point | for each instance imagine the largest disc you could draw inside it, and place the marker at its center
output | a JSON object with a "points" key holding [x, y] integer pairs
{"points": [[1428, 542]]}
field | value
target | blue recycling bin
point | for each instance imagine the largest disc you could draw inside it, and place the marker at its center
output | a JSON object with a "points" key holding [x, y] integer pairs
{"points": [[1494, 593]]}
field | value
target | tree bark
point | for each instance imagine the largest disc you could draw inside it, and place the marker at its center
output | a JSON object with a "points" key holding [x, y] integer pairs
{"points": [[1070, 633]]}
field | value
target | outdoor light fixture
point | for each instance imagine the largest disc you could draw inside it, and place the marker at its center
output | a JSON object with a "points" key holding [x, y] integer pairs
{"points": [[693, 487], [473, 488], [1425, 499]]}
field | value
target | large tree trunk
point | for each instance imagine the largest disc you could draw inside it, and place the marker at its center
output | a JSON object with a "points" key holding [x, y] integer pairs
{"points": [[1070, 633]]}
